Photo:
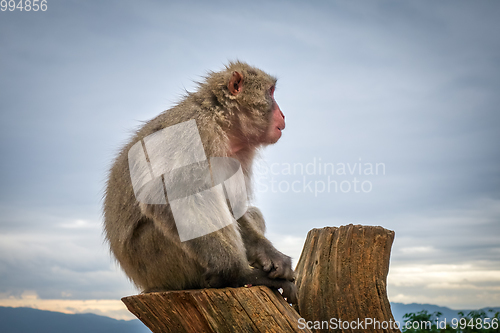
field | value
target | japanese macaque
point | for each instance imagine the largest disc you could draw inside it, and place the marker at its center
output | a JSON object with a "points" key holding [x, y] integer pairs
{"points": [[235, 114]]}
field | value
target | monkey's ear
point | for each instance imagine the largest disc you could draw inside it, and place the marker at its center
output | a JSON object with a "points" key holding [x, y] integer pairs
{"points": [[235, 83]]}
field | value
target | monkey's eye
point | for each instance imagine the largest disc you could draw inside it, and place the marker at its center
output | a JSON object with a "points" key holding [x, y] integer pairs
{"points": [[271, 91]]}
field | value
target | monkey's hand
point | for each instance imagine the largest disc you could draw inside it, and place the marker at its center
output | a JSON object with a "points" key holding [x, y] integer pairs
{"points": [[260, 252], [289, 292], [241, 276], [273, 262], [258, 277]]}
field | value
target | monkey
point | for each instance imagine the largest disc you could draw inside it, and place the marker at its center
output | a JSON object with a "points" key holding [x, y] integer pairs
{"points": [[236, 114]]}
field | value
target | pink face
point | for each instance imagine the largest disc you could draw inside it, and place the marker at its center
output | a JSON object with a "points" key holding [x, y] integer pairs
{"points": [[277, 122]]}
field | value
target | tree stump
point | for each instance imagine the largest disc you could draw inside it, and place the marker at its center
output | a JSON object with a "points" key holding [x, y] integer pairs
{"points": [[342, 274], [238, 310], [341, 280]]}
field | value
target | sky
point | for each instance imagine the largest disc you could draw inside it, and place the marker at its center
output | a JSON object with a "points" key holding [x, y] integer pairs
{"points": [[392, 111]]}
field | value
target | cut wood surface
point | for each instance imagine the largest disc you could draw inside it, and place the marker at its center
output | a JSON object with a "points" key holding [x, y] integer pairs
{"points": [[238, 310], [342, 275]]}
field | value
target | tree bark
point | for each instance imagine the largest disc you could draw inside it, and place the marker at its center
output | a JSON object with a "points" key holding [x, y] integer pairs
{"points": [[342, 274], [238, 310]]}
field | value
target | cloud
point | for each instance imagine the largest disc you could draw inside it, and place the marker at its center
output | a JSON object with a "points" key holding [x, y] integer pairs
{"points": [[463, 286], [105, 307]]}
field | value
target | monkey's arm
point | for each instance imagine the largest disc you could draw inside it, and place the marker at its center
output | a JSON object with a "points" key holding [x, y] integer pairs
{"points": [[260, 251]]}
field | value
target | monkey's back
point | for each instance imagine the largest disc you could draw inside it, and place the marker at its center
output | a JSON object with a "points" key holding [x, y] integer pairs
{"points": [[152, 259]]}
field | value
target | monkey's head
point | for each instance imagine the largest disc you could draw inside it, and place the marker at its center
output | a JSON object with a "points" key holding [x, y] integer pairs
{"points": [[247, 93]]}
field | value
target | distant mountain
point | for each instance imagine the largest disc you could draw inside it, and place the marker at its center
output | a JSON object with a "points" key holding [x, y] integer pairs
{"points": [[400, 309], [28, 320]]}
